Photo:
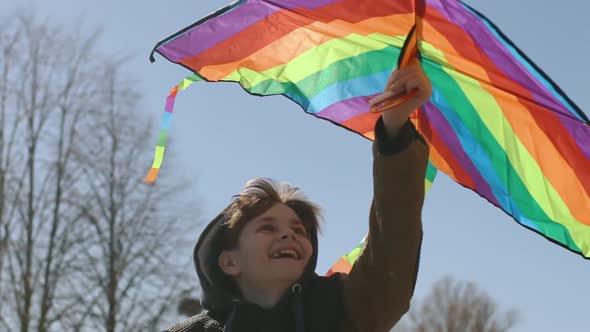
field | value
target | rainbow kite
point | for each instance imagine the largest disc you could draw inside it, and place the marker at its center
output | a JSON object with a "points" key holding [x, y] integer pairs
{"points": [[495, 123]]}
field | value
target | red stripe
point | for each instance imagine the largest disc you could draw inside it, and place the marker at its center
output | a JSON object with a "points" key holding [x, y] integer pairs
{"points": [[366, 122], [551, 124], [362, 123], [548, 121], [277, 25], [467, 48], [434, 138]]}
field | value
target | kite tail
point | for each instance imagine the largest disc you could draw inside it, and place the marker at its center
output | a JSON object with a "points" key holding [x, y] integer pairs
{"points": [[163, 136]]}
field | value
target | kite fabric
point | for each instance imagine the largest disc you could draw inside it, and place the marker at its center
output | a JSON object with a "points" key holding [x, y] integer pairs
{"points": [[495, 123]]}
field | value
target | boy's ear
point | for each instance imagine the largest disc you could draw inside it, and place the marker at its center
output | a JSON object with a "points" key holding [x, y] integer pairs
{"points": [[228, 263]]}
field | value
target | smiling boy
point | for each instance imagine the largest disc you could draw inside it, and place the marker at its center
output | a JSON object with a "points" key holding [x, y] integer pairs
{"points": [[256, 261]]}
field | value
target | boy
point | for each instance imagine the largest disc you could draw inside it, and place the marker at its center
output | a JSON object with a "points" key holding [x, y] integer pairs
{"points": [[256, 260]]}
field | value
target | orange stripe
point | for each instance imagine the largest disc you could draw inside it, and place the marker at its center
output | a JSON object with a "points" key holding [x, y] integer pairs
{"points": [[440, 163], [435, 140], [555, 169], [370, 135], [152, 175], [421, 123], [457, 61], [552, 161], [278, 52], [299, 41], [342, 265], [435, 157], [242, 44], [362, 123], [551, 125], [464, 55]]}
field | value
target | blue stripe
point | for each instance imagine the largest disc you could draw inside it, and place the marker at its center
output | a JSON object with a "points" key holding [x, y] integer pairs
{"points": [[526, 64], [343, 90], [481, 160], [166, 120], [298, 98]]}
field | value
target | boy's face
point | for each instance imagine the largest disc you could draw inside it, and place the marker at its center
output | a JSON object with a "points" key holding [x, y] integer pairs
{"points": [[272, 248]]}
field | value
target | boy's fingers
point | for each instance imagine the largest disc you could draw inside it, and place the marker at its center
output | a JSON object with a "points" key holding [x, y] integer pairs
{"points": [[404, 80], [380, 98], [423, 85], [399, 87], [397, 75], [414, 83], [400, 84], [390, 79]]}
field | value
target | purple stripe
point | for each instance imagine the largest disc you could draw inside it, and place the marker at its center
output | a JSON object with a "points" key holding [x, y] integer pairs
{"points": [[346, 109], [169, 104], [443, 128], [307, 4], [512, 68], [580, 132], [220, 28], [497, 52]]}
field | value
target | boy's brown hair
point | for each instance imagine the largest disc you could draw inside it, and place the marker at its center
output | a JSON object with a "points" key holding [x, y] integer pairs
{"points": [[257, 197]]}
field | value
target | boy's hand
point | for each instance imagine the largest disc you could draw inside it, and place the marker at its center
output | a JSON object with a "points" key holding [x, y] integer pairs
{"points": [[403, 81]]}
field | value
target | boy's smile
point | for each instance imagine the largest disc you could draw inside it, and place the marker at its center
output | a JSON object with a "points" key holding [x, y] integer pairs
{"points": [[287, 253], [273, 248]]}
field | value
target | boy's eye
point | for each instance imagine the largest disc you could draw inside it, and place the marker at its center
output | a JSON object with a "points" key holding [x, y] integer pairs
{"points": [[300, 231], [266, 227]]}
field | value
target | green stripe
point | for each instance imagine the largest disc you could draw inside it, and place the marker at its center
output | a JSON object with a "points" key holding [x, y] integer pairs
{"points": [[314, 76], [163, 135], [187, 81], [342, 70], [329, 52], [500, 161], [431, 172], [354, 254]]}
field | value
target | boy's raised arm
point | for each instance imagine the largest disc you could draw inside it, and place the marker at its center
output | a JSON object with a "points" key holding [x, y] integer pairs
{"points": [[379, 287]]}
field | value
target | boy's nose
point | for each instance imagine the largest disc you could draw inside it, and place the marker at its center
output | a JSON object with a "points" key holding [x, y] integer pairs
{"points": [[288, 234]]}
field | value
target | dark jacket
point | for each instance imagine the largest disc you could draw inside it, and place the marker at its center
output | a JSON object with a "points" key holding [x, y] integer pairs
{"points": [[377, 291]]}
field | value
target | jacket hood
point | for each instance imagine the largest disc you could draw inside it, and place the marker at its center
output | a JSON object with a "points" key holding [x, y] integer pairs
{"points": [[217, 291]]}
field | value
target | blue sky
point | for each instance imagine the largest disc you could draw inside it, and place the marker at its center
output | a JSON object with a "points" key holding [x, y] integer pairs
{"points": [[222, 137]]}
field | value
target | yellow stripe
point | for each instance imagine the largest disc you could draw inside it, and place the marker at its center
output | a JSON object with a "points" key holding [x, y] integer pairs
{"points": [[303, 39], [306, 64], [481, 75], [522, 161], [158, 156], [427, 186], [534, 179]]}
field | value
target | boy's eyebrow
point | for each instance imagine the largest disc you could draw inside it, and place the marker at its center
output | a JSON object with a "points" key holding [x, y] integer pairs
{"points": [[271, 218], [298, 222], [265, 219]]}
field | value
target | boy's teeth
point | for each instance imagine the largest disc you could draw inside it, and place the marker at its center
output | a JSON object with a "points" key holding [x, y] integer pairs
{"points": [[286, 252]]}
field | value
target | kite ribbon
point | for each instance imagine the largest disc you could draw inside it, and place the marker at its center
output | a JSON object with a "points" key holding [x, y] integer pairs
{"points": [[163, 136]]}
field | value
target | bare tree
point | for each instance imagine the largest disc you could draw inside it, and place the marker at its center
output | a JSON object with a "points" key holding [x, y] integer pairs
{"points": [[129, 266], [43, 96], [84, 244], [9, 127], [456, 306], [34, 103]]}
